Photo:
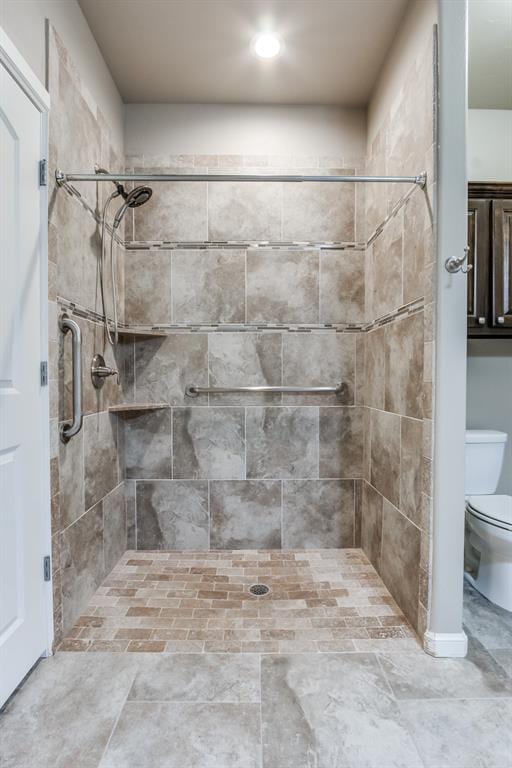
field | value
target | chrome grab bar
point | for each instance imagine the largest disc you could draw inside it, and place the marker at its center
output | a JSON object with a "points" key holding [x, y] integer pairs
{"points": [[67, 431], [193, 391]]}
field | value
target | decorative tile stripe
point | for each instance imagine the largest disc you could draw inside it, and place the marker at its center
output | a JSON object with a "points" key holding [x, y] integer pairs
{"points": [[162, 245], [189, 601], [396, 208], [406, 309]]}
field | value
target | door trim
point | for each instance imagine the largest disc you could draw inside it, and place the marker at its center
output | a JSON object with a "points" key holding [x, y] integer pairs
{"points": [[24, 76], [447, 547]]}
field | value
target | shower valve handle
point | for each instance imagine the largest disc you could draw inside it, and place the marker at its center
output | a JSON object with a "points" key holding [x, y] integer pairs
{"points": [[100, 371]]}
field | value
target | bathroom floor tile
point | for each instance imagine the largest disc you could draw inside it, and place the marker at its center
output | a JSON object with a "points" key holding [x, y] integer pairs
{"points": [[419, 676], [335, 709], [170, 735], [488, 623], [504, 659], [331, 711], [326, 600], [461, 733], [218, 678], [64, 713]]}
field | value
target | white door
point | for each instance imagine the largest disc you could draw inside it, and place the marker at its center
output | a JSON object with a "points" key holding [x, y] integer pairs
{"points": [[23, 436]]}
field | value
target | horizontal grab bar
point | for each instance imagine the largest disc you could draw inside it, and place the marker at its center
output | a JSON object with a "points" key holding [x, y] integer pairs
{"points": [[193, 391]]}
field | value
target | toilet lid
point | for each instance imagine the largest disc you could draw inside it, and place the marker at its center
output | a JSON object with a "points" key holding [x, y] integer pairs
{"points": [[497, 509]]}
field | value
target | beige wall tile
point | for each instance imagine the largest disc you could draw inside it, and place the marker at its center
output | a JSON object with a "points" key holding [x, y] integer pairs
{"points": [[411, 449], [282, 286], [243, 211], [342, 286], [317, 212], [404, 365], [385, 454]]}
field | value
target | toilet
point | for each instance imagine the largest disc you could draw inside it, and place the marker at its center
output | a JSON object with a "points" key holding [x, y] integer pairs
{"points": [[489, 515]]}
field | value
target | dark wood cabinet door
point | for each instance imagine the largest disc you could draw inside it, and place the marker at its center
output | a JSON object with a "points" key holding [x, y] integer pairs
{"points": [[479, 243], [501, 264]]}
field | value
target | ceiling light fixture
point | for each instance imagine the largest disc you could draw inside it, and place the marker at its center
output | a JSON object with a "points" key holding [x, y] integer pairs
{"points": [[266, 46]]}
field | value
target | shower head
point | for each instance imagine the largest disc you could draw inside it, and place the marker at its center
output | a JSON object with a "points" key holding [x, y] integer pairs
{"points": [[138, 196], [133, 199]]}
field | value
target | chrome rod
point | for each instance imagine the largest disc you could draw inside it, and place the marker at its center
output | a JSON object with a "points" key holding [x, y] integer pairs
{"points": [[193, 391], [67, 431], [63, 178]]}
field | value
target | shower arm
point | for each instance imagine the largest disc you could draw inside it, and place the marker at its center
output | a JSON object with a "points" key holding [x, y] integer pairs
{"points": [[63, 178]]}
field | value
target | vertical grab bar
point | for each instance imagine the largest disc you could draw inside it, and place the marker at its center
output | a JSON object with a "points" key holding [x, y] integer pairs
{"points": [[67, 431]]}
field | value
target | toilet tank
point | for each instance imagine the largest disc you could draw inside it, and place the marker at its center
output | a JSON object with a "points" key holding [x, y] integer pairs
{"points": [[485, 449]]}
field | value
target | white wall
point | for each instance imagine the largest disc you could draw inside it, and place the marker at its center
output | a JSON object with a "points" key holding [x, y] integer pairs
{"points": [[24, 22], [489, 399], [210, 129], [489, 377], [490, 145]]}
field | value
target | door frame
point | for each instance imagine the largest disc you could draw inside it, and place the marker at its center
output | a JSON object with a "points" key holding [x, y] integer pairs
{"points": [[445, 635], [23, 75]]}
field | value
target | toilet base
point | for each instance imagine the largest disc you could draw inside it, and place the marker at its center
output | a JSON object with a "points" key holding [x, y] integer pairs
{"points": [[494, 579]]}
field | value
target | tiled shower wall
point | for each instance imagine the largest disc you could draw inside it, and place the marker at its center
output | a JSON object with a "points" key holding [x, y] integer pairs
{"points": [[397, 495], [88, 506], [245, 471]]}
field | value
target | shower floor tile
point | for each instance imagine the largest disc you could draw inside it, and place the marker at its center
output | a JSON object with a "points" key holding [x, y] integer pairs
{"points": [[200, 602]]}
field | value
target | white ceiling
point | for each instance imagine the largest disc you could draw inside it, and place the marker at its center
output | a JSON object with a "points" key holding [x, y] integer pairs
{"points": [[490, 54], [198, 51]]}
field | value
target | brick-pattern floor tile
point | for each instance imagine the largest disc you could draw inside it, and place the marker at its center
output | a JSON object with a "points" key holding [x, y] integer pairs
{"points": [[190, 602]]}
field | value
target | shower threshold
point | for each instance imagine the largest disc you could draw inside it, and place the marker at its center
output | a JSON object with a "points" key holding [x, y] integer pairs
{"points": [[329, 600]]}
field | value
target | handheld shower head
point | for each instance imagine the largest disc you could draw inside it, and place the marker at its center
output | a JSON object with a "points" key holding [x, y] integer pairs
{"points": [[133, 199]]}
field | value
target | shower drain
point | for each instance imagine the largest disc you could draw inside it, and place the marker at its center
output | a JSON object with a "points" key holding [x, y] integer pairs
{"points": [[259, 589]]}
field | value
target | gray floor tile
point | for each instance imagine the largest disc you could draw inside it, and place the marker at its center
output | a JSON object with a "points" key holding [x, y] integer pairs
{"points": [[418, 676], [462, 733], [331, 711], [489, 623], [170, 735], [64, 714], [504, 659], [187, 677]]}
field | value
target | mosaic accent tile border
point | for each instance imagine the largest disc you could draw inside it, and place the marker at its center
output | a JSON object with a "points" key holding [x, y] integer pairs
{"points": [[407, 309], [296, 245]]}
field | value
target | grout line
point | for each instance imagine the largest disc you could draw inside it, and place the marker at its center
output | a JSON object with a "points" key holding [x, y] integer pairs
{"points": [[209, 491], [136, 516], [116, 721], [282, 511], [261, 712], [245, 286]]}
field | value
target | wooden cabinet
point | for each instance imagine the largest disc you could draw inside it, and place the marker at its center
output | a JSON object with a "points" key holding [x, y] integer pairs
{"points": [[501, 264], [490, 255]]}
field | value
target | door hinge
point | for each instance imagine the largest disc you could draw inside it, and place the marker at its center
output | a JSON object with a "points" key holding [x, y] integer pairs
{"points": [[43, 173], [47, 568], [43, 369]]}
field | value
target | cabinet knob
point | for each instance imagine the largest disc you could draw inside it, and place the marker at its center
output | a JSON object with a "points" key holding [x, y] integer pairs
{"points": [[500, 320], [481, 321]]}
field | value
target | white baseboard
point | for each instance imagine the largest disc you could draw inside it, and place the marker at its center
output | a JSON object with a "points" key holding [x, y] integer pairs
{"points": [[446, 644]]}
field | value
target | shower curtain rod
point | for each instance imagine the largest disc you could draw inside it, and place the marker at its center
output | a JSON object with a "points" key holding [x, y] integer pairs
{"points": [[62, 178]]}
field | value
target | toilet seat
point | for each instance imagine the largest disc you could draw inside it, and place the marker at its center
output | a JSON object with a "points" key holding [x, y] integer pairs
{"points": [[495, 510]]}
